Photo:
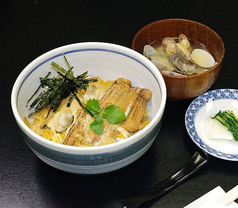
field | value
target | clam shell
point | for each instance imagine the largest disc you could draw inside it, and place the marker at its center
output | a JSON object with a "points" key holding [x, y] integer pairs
{"points": [[183, 68], [203, 58], [184, 54], [148, 51], [183, 40], [168, 45]]}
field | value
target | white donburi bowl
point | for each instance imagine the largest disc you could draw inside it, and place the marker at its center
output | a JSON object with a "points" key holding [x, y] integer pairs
{"points": [[109, 61]]}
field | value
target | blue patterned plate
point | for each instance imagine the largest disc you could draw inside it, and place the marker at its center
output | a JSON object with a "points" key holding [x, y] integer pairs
{"points": [[200, 109]]}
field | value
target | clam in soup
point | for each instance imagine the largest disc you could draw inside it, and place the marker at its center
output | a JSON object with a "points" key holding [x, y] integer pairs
{"points": [[179, 56]]}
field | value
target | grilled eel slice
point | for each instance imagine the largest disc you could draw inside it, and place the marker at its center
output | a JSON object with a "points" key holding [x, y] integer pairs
{"points": [[119, 88], [80, 131], [137, 112], [76, 130], [127, 101]]}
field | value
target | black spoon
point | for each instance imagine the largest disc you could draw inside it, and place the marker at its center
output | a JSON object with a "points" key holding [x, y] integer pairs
{"points": [[133, 201]]}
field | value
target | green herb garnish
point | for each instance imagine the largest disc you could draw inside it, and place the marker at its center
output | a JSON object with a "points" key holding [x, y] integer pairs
{"points": [[58, 88], [228, 119], [111, 113]]}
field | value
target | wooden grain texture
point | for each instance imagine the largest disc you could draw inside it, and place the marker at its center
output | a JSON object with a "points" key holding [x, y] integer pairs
{"points": [[180, 88]]}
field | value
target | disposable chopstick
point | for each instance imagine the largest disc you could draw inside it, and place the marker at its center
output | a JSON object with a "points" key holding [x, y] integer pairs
{"points": [[228, 197]]}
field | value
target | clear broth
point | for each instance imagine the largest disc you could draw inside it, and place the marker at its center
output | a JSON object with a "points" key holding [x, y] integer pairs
{"points": [[170, 68]]}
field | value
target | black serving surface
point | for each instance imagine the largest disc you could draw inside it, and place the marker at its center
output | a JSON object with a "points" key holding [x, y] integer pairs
{"points": [[29, 28]]}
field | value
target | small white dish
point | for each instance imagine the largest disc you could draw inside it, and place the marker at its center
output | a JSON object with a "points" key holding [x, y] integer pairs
{"points": [[200, 109]]}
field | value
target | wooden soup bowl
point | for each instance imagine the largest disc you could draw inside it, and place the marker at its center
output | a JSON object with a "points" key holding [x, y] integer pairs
{"points": [[184, 87]]}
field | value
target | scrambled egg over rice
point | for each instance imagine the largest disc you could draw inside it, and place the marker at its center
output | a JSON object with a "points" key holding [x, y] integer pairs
{"points": [[56, 126]]}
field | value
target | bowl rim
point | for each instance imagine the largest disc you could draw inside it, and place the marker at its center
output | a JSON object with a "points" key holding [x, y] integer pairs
{"points": [[185, 20], [96, 149]]}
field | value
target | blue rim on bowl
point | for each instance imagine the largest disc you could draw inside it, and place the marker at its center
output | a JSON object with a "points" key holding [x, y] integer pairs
{"points": [[200, 109]]}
